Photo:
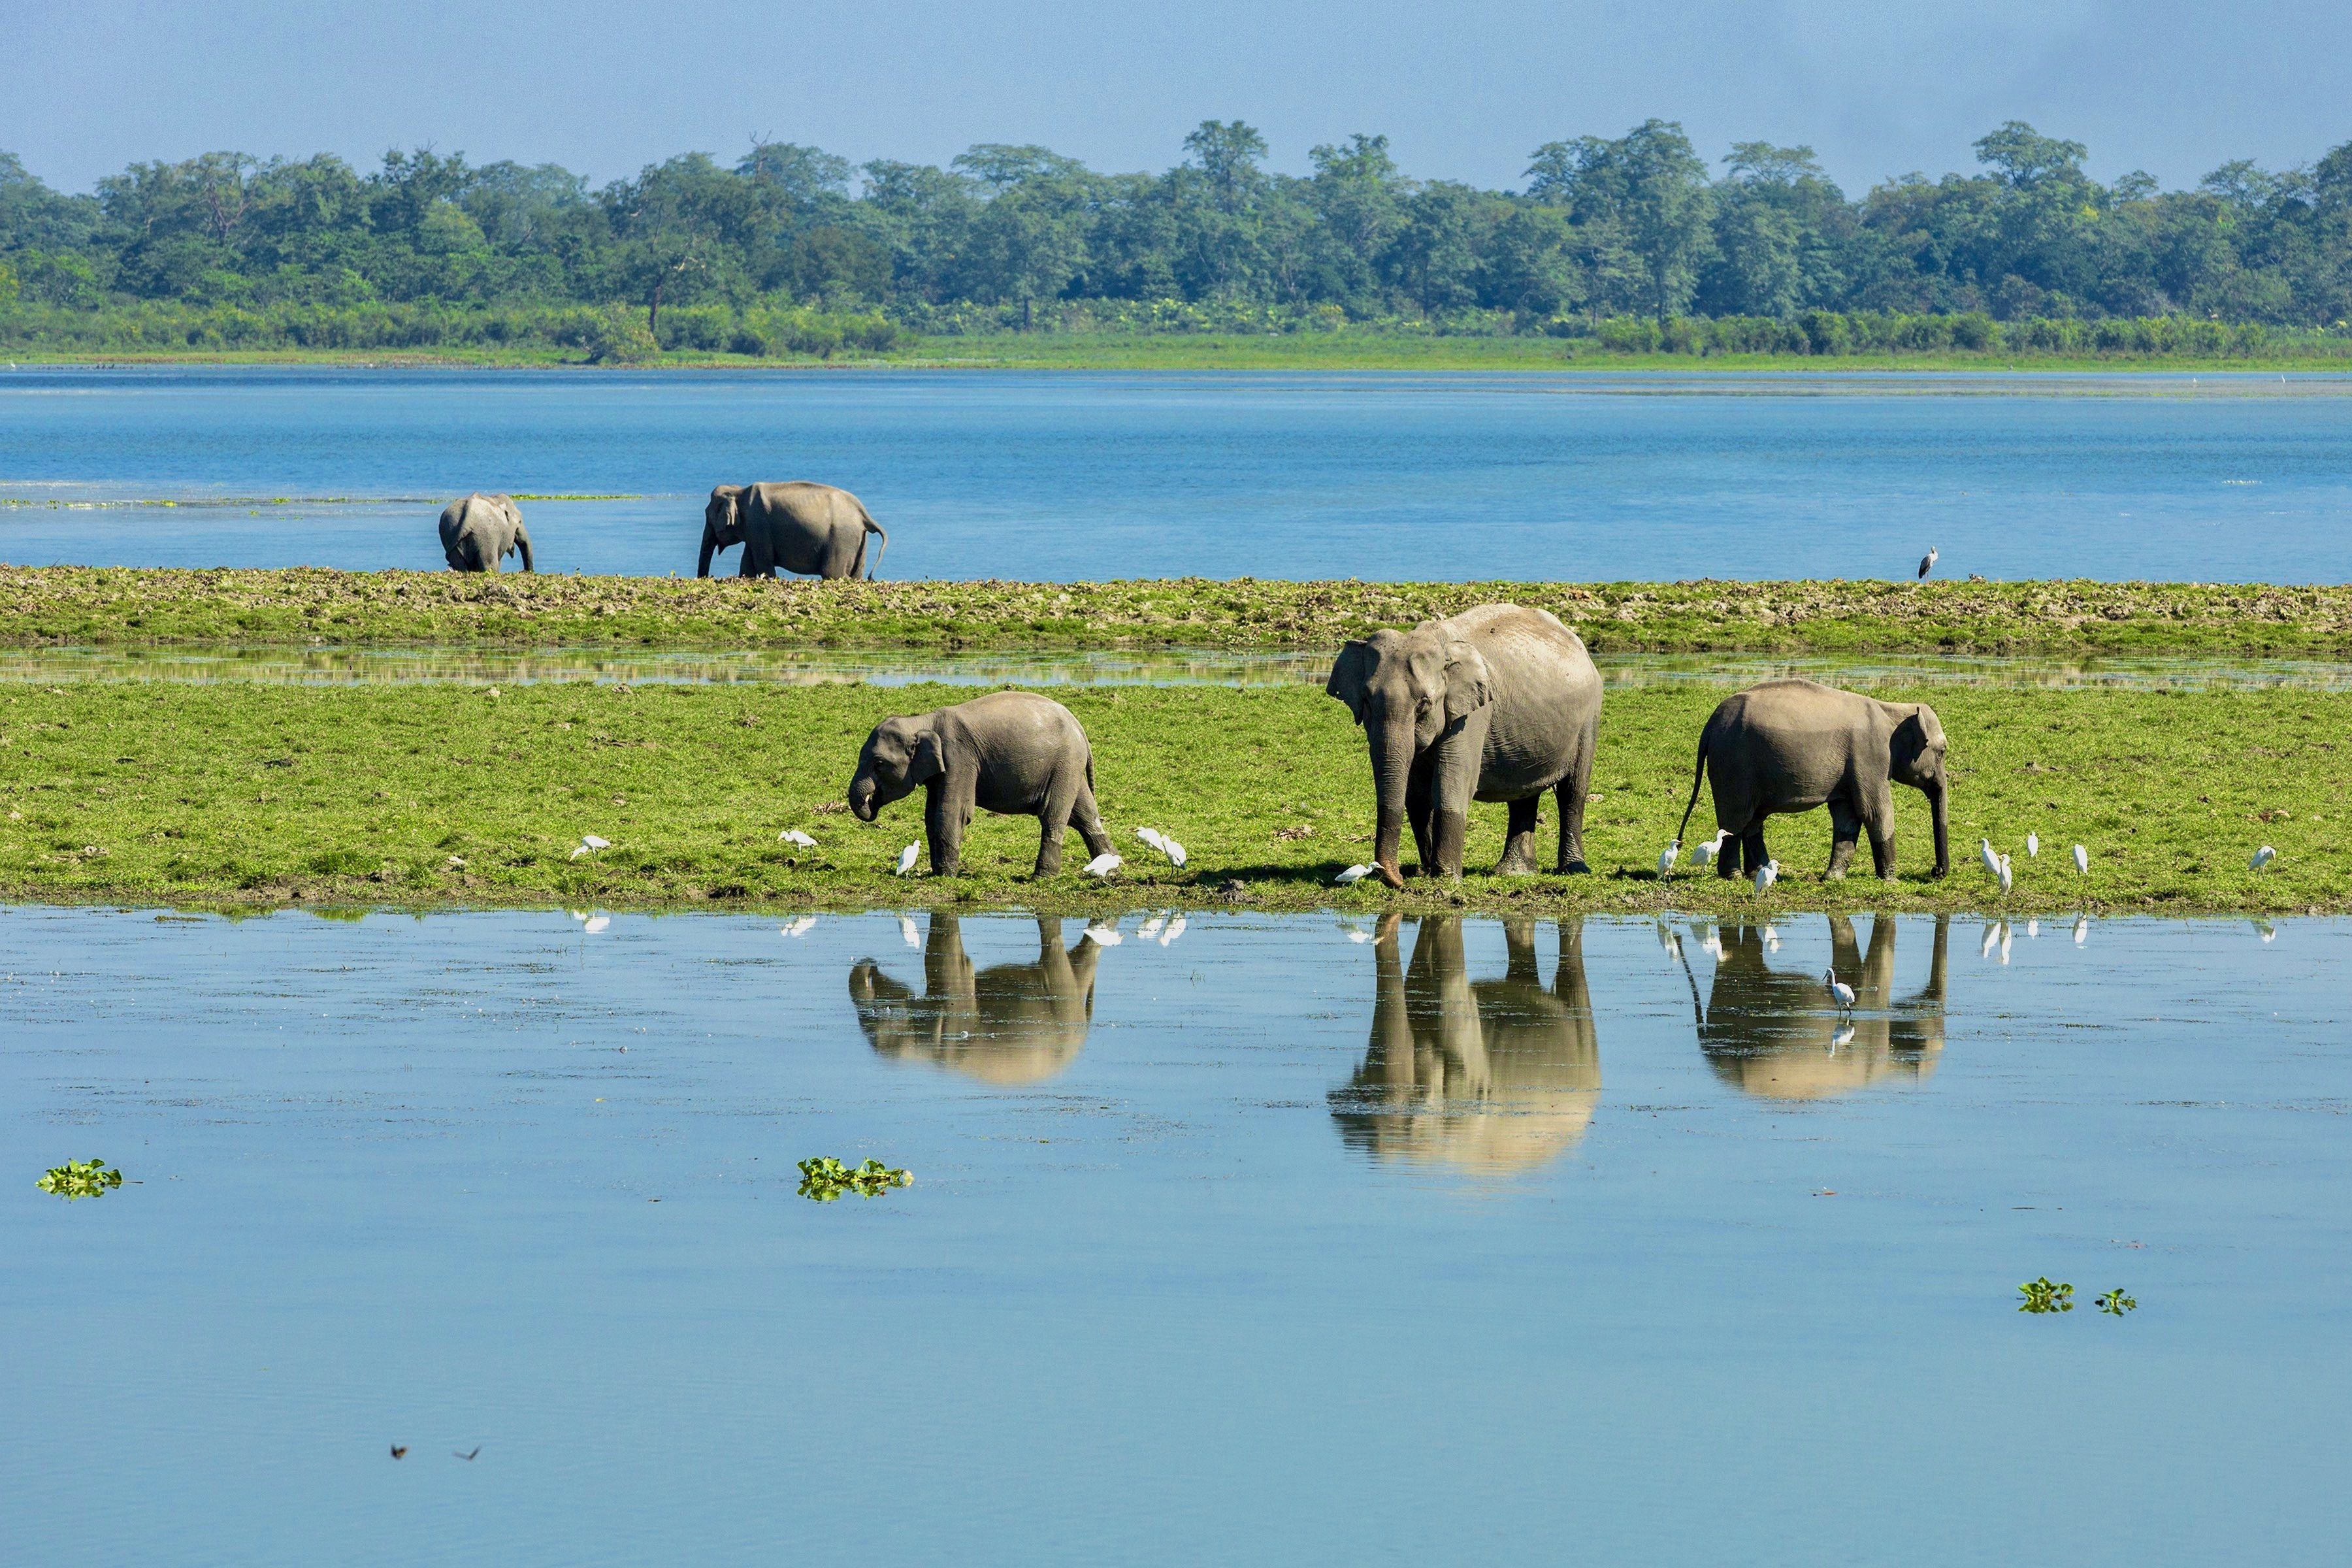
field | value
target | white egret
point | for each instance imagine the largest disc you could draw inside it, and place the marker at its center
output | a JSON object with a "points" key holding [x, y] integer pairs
{"points": [[2262, 858], [1176, 855], [1772, 937], [906, 859], [1844, 1036], [597, 923], [2004, 941], [577, 914], [1153, 836], [2032, 929], [2081, 861], [1353, 874], [794, 837], [1840, 992], [1767, 874], [1107, 935], [1667, 859], [1991, 861], [1991, 938], [2081, 929], [2033, 845], [800, 926], [590, 843], [1103, 865], [2004, 876], [457, 861], [1355, 935], [1714, 943], [1927, 563], [1175, 929], [908, 933]]}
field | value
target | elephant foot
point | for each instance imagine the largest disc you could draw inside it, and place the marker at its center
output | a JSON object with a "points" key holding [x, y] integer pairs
{"points": [[1573, 868], [1940, 872], [1516, 866], [1389, 875]]}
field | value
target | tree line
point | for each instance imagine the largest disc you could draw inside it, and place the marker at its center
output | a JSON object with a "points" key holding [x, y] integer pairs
{"points": [[1636, 233]]}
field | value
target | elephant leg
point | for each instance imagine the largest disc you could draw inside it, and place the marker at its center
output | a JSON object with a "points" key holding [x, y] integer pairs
{"points": [[947, 812], [1879, 823], [1520, 844], [1572, 792], [1751, 845], [1087, 819], [1728, 851], [1453, 781], [1053, 823], [1416, 813], [1845, 832]]}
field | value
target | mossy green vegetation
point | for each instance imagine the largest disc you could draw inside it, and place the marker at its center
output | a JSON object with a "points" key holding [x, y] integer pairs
{"points": [[445, 794], [88, 606]]}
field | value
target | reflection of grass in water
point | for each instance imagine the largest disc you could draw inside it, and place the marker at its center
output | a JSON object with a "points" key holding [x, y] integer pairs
{"points": [[363, 795], [80, 1179], [2115, 1303], [825, 1178], [70, 605], [2042, 1295]]}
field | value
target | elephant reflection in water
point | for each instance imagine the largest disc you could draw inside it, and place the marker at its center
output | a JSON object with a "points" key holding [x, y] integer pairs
{"points": [[1778, 1035], [1009, 1023], [1496, 1075]]}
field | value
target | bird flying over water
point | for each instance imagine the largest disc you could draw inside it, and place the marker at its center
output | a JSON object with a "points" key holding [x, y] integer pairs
{"points": [[1927, 563], [794, 837], [906, 859], [1104, 864], [2081, 861]]}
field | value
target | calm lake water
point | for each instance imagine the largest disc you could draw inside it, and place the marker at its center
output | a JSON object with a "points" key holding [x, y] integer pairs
{"points": [[1085, 476], [1258, 1239]]}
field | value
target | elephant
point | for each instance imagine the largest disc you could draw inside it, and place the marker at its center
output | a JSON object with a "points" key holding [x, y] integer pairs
{"points": [[1009, 1023], [814, 530], [479, 530], [1492, 1075], [1013, 753], [1791, 745], [1780, 1037], [1496, 703]]}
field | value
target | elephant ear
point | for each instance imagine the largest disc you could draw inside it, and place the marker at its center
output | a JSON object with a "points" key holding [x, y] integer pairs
{"points": [[1348, 673], [926, 762], [1468, 684]]}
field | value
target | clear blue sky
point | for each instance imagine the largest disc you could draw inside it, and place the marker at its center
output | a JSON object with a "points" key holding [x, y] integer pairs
{"points": [[1463, 88]]}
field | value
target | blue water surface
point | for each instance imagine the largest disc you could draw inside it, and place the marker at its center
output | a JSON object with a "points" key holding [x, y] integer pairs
{"points": [[1069, 476], [1253, 1239]]}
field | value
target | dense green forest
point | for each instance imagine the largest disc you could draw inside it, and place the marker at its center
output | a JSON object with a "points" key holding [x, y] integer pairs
{"points": [[1634, 242]]}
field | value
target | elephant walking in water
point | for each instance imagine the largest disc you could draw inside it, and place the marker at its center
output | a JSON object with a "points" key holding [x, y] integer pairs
{"points": [[814, 530], [1496, 703], [1009, 1023], [479, 530], [1491, 1075], [1777, 1035], [1791, 745]]}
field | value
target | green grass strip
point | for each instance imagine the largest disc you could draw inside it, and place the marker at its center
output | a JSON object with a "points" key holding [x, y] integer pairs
{"points": [[78, 606], [240, 795]]}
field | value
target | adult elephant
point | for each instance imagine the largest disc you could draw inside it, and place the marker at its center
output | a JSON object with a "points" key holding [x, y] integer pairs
{"points": [[1009, 1023], [1488, 1075], [1496, 703], [814, 530], [479, 530], [1791, 745], [1778, 1035]]}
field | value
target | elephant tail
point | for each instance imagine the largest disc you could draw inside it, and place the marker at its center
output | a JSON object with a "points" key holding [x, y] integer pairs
{"points": [[1698, 776], [870, 567]]}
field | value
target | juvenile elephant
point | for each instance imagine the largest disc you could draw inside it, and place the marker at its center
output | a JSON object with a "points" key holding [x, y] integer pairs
{"points": [[1009, 1023], [795, 526], [1777, 1035], [1013, 753], [1496, 703], [479, 530], [1489, 1075], [1791, 745]]}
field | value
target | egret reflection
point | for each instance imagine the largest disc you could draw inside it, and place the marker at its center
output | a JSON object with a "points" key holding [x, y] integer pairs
{"points": [[1009, 1023], [1493, 1075], [1776, 1035]]}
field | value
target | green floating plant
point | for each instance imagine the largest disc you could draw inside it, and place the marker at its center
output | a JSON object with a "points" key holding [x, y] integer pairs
{"points": [[825, 1178], [2115, 1303], [80, 1179], [2040, 1296]]}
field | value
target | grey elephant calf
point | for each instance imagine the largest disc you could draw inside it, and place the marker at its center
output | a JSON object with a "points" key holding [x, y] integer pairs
{"points": [[479, 530], [1013, 752], [1496, 703], [1791, 745]]}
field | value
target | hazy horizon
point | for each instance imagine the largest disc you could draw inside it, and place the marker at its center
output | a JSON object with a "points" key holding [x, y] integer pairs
{"points": [[607, 87]]}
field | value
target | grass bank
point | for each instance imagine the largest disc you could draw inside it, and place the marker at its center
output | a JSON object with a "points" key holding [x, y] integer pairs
{"points": [[87, 606], [423, 795]]}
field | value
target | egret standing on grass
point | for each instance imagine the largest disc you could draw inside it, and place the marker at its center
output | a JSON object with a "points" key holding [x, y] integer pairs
{"points": [[1927, 562], [2004, 876], [1667, 859], [2262, 858], [1353, 874], [795, 838], [590, 843], [2033, 844], [1767, 874], [2081, 861], [1991, 861], [906, 859], [1103, 865]]}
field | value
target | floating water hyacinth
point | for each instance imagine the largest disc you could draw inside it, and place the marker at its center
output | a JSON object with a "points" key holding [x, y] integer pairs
{"points": [[825, 1178], [80, 1179]]}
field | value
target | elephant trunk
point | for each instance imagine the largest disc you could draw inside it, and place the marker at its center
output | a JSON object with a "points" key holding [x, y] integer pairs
{"points": [[1938, 802], [710, 545], [522, 544], [862, 792], [1392, 761]]}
